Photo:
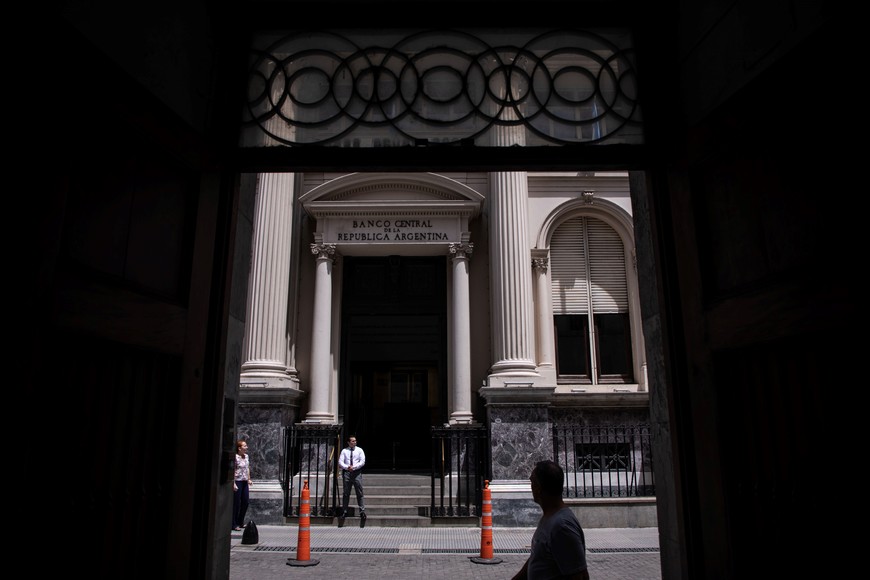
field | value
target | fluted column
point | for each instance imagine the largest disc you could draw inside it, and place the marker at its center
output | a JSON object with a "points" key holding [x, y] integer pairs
{"points": [[543, 313], [510, 262], [265, 345], [461, 327], [321, 373]]}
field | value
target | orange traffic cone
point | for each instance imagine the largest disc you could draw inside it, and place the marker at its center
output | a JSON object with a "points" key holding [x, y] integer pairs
{"points": [[486, 529], [303, 543]]}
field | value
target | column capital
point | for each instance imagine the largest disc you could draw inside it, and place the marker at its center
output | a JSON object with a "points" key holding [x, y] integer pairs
{"points": [[323, 251], [541, 264], [460, 249]]}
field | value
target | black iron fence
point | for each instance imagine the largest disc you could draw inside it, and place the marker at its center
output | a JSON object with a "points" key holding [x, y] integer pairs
{"points": [[606, 460], [459, 469], [311, 454]]}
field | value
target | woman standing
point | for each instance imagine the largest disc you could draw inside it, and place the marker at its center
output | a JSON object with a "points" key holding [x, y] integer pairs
{"points": [[241, 485]]}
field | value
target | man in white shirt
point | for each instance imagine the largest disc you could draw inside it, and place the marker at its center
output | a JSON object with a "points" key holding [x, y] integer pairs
{"points": [[351, 461]]}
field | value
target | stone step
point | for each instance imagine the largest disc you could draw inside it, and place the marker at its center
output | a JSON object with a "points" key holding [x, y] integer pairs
{"points": [[397, 478], [375, 480], [394, 491], [398, 500], [374, 498], [404, 479], [391, 521], [391, 492], [376, 509], [392, 510], [402, 521], [377, 489], [398, 490], [386, 500]]}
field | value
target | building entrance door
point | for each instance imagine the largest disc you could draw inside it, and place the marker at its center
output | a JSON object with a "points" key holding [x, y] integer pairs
{"points": [[392, 377], [394, 413]]}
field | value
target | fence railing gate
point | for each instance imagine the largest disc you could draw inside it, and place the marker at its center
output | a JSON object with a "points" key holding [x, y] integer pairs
{"points": [[605, 460], [459, 468], [310, 453]]}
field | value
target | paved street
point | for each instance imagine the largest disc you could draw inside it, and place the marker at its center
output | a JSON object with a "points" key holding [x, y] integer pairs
{"points": [[438, 552]]}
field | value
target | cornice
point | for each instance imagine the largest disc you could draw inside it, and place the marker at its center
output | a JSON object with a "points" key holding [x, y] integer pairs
{"points": [[259, 395], [325, 209]]}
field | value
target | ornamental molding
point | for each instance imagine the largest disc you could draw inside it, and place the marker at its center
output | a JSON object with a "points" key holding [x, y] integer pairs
{"points": [[460, 250], [323, 251], [435, 88], [394, 195], [394, 209], [389, 187], [603, 209]]}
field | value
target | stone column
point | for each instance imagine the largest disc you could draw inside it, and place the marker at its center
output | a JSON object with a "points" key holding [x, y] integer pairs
{"points": [[321, 372], [543, 313], [265, 345], [461, 339], [511, 277]]}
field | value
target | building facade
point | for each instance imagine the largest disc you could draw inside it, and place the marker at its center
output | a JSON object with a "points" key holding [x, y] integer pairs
{"points": [[141, 240], [392, 303]]}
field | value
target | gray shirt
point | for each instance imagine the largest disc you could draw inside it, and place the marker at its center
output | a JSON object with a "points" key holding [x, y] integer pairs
{"points": [[558, 547]]}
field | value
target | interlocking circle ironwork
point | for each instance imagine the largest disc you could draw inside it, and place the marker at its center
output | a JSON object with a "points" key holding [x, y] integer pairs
{"points": [[442, 87]]}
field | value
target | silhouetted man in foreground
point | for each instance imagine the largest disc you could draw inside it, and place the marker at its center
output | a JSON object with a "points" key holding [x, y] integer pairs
{"points": [[558, 546]]}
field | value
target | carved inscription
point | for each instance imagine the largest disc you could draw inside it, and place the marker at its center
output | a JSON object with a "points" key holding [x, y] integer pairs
{"points": [[394, 230]]}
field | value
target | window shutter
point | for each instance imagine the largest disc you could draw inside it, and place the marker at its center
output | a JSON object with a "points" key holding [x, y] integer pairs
{"points": [[569, 286], [607, 268]]}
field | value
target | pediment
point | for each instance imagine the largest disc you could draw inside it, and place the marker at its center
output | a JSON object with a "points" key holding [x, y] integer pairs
{"points": [[392, 194]]}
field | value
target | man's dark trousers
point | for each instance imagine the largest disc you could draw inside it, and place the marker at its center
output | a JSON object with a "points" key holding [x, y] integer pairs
{"points": [[352, 478]]}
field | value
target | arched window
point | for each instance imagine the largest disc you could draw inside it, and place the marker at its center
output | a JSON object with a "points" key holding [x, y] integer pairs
{"points": [[590, 303]]}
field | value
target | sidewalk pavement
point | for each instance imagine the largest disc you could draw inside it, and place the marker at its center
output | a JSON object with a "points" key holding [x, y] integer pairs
{"points": [[434, 552]]}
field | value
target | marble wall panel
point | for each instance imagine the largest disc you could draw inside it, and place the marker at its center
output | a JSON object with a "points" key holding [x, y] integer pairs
{"points": [[262, 428], [266, 511], [513, 513], [519, 438]]}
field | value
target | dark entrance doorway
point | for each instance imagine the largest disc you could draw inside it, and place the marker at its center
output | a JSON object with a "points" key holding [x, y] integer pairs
{"points": [[393, 372]]}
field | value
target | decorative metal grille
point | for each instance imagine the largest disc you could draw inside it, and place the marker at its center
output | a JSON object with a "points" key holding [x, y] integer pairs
{"points": [[400, 88], [605, 460], [603, 456]]}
